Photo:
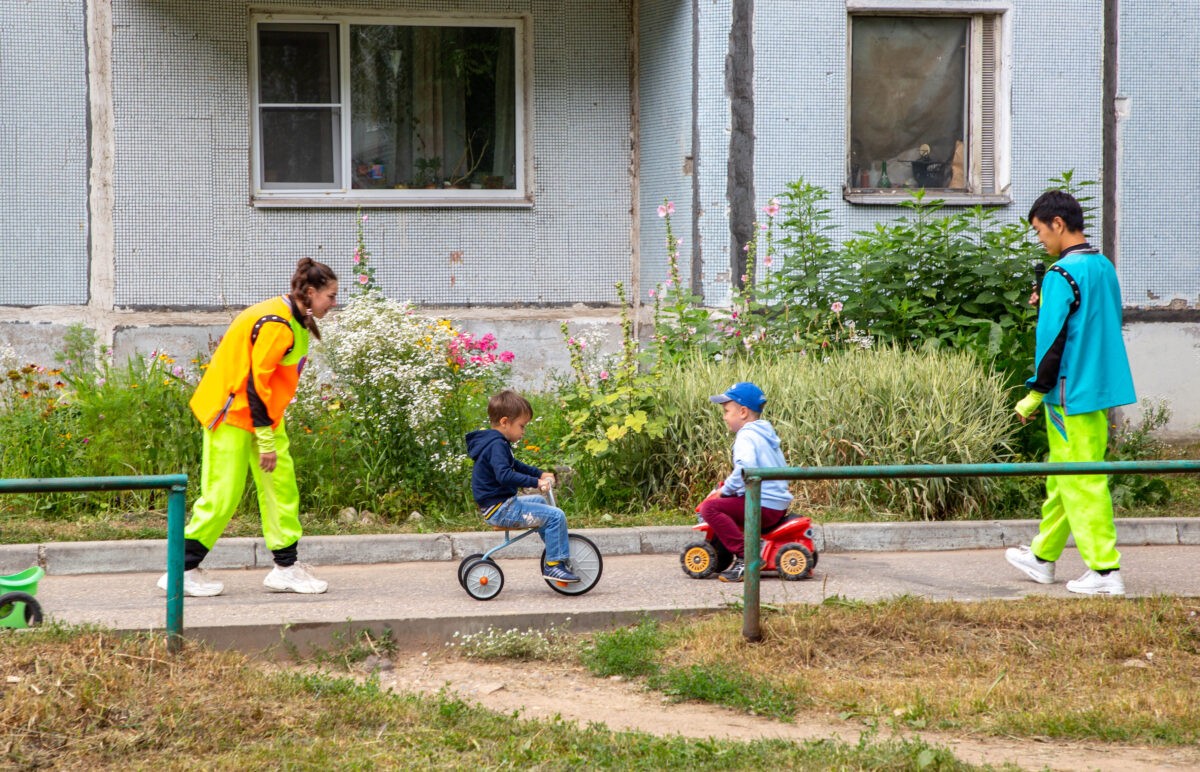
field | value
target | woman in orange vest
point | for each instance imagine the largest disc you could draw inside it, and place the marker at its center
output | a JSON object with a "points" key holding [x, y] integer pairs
{"points": [[240, 403]]}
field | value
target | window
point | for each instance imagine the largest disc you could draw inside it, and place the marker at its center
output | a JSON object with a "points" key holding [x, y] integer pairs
{"points": [[928, 102], [369, 112]]}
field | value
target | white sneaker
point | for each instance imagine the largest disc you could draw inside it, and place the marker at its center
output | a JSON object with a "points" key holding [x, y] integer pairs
{"points": [[295, 578], [1092, 583], [1022, 557], [196, 584]]}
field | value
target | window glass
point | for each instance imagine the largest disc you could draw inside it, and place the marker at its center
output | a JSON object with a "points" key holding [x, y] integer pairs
{"points": [[298, 105], [432, 107], [297, 64], [908, 120], [299, 146]]}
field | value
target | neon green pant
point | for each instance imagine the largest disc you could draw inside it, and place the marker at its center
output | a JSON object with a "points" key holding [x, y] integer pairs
{"points": [[1078, 505], [228, 450]]}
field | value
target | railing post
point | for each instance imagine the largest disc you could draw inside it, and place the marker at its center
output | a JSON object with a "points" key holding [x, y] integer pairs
{"points": [[751, 630], [176, 503]]}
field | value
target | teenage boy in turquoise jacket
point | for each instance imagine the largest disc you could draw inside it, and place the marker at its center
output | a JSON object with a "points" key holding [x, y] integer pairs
{"points": [[1081, 370]]}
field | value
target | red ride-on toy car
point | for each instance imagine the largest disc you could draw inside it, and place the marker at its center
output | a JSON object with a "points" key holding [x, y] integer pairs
{"points": [[787, 548]]}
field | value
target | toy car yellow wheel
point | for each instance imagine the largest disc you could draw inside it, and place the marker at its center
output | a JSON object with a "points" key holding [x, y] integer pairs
{"points": [[699, 560], [794, 562]]}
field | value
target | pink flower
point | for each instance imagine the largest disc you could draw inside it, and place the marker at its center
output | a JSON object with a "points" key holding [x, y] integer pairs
{"points": [[507, 356], [667, 284], [746, 248], [768, 260], [745, 278], [177, 371], [604, 375], [733, 315], [772, 209], [364, 218], [762, 226], [363, 278], [670, 207], [836, 307], [652, 293], [678, 242], [662, 211]]}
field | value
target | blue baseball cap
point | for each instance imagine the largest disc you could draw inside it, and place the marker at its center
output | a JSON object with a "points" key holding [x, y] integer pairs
{"points": [[745, 394]]}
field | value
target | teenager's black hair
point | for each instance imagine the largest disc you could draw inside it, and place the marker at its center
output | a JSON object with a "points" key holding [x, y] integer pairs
{"points": [[1058, 203]]}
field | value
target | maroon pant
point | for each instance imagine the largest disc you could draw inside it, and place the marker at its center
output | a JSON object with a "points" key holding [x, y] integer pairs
{"points": [[727, 517]]}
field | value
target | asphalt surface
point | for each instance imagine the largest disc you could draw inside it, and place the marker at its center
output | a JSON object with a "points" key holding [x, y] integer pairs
{"points": [[409, 584]]}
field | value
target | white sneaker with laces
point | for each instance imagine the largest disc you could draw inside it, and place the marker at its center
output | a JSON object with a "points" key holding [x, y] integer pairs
{"points": [[1092, 583], [295, 578], [1023, 558], [196, 584]]}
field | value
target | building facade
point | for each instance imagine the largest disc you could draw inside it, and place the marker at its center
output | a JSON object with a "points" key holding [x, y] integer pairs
{"points": [[163, 163]]}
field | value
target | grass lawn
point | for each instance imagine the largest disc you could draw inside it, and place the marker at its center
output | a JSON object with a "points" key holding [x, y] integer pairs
{"points": [[1096, 670], [79, 699]]}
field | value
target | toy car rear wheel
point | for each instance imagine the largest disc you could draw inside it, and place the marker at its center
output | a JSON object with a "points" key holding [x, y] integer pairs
{"points": [[33, 610], [699, 559], [483, 579], [794, 562], [585, 563], [462, 568]]}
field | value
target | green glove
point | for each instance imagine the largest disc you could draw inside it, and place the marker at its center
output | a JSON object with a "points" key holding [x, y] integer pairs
{"points": [[266, 439], [1029, 405]]}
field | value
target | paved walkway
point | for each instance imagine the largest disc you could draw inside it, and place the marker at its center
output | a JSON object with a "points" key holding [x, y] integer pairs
{"points": [[422, 603]]}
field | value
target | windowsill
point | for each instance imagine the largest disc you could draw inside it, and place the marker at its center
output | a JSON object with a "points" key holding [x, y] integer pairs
{"points": [[897, 196], [433, 200]]}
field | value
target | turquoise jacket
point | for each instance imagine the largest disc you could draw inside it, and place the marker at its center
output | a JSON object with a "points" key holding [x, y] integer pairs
{"points": [[1081, 364]]}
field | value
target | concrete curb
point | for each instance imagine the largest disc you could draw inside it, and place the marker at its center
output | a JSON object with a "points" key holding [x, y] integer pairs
{"points": [[149, 555]]}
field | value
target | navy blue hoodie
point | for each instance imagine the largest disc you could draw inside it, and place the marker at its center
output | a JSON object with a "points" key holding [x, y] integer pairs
{"points": [[497, 474]]}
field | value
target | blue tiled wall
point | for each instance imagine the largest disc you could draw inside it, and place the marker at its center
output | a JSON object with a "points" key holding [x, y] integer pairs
{"points": [[186, 236], [665, 112], [1160, 156], [800, 102], [43, 153]]}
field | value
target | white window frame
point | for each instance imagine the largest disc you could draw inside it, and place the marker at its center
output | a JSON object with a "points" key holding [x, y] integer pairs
{"points": [[299, 196], [989, 164]]}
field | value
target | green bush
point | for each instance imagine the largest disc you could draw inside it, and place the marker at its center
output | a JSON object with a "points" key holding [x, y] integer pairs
{"points": [[883, 406]]}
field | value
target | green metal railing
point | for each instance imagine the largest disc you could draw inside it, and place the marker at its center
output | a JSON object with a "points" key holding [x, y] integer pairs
{"points": [[754, 476], [176, 486]]}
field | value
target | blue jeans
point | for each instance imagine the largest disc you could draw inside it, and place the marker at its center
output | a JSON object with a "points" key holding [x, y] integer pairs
{"points": [[533, 512]]}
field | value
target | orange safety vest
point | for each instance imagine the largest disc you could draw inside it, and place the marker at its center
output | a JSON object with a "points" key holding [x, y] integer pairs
{"points": [[264, 340]]}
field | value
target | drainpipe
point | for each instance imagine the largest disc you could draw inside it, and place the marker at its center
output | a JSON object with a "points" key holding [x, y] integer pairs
{"points": [[739, 87], [635, 166], [1109, 170], [697, 248]]}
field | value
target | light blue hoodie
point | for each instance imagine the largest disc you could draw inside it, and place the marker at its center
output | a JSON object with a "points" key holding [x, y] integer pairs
{"points": [[757, 444]]}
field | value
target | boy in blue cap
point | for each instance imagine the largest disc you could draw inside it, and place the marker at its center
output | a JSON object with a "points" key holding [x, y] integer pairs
{"points": [[755, 444]]}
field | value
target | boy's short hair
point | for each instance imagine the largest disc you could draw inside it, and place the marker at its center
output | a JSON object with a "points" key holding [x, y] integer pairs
{"points": [[508, 404], [1058, 203]]}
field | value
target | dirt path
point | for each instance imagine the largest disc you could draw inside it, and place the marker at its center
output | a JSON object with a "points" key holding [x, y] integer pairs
{"points": [[542, 691]]}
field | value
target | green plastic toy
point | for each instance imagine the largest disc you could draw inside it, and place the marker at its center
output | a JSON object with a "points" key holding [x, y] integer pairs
{"points": [[18, 609]]}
